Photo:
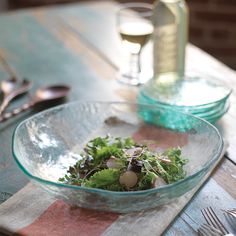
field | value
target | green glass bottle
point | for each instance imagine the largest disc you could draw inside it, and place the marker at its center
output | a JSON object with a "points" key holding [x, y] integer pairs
{"points": [[170, 20]]}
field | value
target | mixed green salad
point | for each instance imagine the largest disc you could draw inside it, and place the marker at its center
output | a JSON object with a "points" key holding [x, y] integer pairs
{"points": [[121, 164]]}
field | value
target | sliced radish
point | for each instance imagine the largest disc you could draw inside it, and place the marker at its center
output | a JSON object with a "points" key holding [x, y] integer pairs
{"points": [[113, 162], [157, 182], [129, 179]]}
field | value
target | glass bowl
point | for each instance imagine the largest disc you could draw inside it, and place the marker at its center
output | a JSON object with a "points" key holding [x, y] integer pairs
{"points": [[45, 145]]}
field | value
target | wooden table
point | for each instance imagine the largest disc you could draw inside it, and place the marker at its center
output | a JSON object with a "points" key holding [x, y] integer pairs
{"points": [[78, 45]]}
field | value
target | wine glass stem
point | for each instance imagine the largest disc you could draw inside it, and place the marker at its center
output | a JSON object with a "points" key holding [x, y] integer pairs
{"points": [[135, 67], [138, 62]]}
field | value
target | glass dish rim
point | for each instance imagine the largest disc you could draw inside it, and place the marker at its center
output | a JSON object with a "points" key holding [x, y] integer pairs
{"points": [[164, 188], [218, 114], [164, 104]]}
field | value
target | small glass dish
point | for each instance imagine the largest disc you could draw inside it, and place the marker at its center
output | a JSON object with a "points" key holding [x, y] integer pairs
{"points": [[45, 145], [204, 97]]}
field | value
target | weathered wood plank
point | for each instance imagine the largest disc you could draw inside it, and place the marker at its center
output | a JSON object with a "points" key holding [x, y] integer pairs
{"points": [[91, 58], [75, 44], [5, 67], [225, 176], [191, 218]]}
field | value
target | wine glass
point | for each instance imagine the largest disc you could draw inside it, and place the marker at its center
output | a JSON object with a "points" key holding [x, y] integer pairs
{"points": [[135, 28]]}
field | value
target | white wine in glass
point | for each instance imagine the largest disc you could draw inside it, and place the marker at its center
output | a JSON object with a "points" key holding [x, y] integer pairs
{"points": [[135, 28], [138, 33]]}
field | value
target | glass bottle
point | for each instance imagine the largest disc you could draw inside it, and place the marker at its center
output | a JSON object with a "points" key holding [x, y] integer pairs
{"points": [[170, 20]]}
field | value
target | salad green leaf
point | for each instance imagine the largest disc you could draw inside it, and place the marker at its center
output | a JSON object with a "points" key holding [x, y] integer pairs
{"points": [[105, 179]]}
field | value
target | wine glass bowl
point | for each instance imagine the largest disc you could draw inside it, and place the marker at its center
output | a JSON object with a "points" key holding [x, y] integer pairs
{"points": [[135, 28]]}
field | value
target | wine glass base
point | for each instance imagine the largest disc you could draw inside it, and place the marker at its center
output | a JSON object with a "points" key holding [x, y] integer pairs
{"points": [[131, 80]]}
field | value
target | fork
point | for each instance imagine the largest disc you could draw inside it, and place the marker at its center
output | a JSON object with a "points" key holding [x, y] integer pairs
{"points": [[230, 216], [231, 212], [208, 230], [213, 220]]}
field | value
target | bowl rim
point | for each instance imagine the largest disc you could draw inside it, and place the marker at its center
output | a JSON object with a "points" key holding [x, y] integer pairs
{"points": [[164, 188]]}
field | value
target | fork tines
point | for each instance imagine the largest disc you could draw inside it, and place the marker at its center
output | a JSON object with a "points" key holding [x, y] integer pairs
{"points": [[213, 220], [207, 230], [231, 212]]}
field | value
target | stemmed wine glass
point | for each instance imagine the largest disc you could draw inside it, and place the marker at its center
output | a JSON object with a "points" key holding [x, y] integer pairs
{"points": [[135, 28]]}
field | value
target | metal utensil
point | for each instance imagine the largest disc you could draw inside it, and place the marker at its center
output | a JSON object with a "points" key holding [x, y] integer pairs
{"points": [[42, 95], [12, 88], [231, 212], [208, 230], [213, 221], [230, 216]]}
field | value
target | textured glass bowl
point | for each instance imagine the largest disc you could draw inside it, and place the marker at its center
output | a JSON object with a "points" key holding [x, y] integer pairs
{"points": [[45, 145]]}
